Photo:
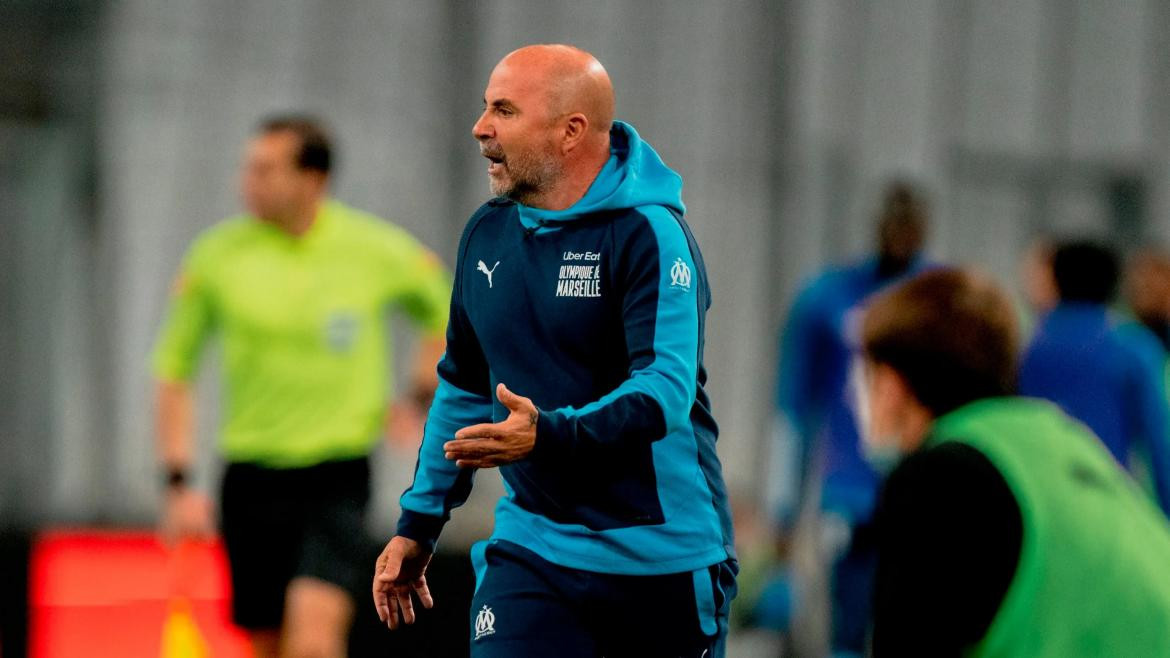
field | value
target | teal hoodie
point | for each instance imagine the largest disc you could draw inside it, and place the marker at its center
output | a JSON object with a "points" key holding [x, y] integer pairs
{"points": [[595, 312]]}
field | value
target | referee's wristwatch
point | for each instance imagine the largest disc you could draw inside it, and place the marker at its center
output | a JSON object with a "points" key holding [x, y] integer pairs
{"points": [[175, 478]]}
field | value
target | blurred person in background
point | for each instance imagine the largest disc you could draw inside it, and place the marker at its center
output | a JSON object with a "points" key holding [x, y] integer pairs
{"points": [[1039, 286], [581, 286], [814, 363], [298, 289], [1098, 370], [1004, 528], [1145, 310], [1147, 291]]}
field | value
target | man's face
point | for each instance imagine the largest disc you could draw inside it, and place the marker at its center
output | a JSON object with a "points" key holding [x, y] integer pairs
{"points": [[271, 183], [1148, 289], [1039, 285], [900, 240], [880, 404], [517, 134]]}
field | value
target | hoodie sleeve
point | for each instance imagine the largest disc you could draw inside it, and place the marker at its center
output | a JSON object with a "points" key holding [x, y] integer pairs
{"points": [[663, 288], [462, 398]]}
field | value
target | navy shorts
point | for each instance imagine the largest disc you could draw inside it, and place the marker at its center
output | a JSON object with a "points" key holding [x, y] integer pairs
{"points": [[525, 606]]}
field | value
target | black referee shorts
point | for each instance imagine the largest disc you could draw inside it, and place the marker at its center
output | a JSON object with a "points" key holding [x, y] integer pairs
{"points": [[280, 524]]}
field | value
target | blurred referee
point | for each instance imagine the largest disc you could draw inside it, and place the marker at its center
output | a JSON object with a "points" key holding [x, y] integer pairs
{"points": [[297, 289]]}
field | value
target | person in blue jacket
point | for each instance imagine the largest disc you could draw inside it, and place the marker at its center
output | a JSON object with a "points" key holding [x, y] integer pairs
{"points": [[816, 346], [1104, 372], [574, 364]]}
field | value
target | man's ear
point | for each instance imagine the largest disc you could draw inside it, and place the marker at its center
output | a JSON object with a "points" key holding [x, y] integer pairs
{"points": [[576, 127], [320, 182]]}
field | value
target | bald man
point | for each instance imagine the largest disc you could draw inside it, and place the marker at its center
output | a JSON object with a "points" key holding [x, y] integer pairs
{"points": [[574, 364]]}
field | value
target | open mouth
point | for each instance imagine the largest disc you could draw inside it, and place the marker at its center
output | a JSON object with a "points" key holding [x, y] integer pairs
{"points": [[496, 162], [496, 154]]}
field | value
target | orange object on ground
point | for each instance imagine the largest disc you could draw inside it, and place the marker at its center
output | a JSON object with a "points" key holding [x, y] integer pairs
{"points": [[110, 593]]}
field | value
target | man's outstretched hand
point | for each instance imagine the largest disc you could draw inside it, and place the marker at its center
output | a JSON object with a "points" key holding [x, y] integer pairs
{"points": [[400, 570], [493, 444]]}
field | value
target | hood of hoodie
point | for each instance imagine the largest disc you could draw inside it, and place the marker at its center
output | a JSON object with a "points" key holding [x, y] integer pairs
{"points": [[634, 176]]}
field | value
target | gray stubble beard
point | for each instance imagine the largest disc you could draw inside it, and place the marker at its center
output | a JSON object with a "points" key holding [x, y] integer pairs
{"points": [[530, 181]]}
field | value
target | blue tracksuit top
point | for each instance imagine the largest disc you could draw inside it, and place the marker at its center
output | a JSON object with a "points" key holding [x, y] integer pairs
{"points": [[816, 346], [596, 313], [1109, 377]]}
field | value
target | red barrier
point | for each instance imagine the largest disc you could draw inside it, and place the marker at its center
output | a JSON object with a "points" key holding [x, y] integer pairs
{"points": [[125, 595]]}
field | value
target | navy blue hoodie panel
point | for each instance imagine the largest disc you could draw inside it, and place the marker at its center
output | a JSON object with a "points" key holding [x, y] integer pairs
{"points": [[462, 368], [580, 281], [567, 350], [463, 348], [636, 418]]}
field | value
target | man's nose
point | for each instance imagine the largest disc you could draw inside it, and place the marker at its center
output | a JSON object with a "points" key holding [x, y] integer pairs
{"points": [[481, 129]]}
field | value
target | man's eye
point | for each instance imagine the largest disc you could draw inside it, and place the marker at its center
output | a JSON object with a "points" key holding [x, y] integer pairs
{"points": [[504, 112]]}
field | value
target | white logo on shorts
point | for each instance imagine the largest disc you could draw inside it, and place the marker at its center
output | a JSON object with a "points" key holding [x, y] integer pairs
{"points": [[485, 623], [680, 275]]}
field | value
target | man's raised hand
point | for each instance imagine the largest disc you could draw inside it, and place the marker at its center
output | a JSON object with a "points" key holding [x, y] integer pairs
{"points": [[492, 444]]}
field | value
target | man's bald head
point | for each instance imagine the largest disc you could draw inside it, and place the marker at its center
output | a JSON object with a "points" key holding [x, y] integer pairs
{"points": [[573, 79], [545, 125]]}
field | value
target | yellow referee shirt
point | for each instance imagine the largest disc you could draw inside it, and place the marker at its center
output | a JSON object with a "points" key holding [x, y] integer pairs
{"points": [[304, 330]]}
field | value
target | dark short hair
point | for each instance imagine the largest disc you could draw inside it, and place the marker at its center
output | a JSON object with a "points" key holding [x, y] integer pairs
{"points": [[903, 203], [1085, 271], [950, 333], [316, 152], [902, 221]]}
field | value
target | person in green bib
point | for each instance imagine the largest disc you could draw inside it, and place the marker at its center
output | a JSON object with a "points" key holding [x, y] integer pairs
{"points": [[298, 290], [1005, 528]]}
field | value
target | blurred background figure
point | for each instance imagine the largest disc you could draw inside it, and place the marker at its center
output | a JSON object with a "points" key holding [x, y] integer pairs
{"points": [[298, 289], [815, 351], [1039, 286], [1145, 310], [1104, 372], [998, 506], [1147, 290]]}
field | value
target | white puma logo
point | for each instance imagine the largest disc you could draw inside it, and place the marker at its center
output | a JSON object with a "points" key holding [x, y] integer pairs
{"points": [[483, 268]]}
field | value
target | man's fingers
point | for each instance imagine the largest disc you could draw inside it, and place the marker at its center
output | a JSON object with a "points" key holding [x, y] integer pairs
{"points": [[510, 400], [506, 397], [477, 463], [392, 617], [406, 604], [382, 605], [381, 601], [392, 588], [423, 592], [471, 448], [481, 431]]}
